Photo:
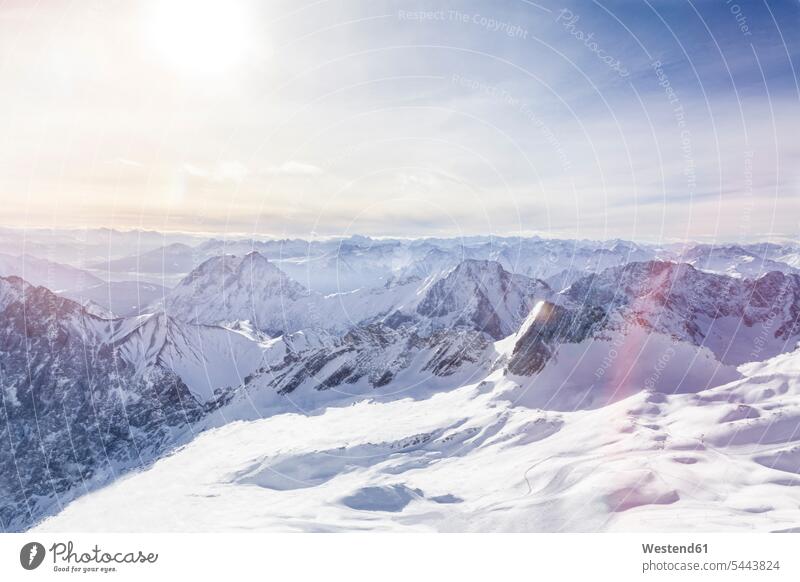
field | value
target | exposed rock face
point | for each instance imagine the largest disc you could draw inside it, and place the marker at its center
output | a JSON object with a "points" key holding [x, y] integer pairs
{"points": [[74, 409], [372, 354], [739, 320], [85, 398], [548, 326]]}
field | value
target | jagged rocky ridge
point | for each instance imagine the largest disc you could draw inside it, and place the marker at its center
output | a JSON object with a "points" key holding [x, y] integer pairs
{"points": [[739, 320]]}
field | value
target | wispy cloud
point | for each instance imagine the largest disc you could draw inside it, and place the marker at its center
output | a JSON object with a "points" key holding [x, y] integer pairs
{"points": [[225, 171], [294, 168]]}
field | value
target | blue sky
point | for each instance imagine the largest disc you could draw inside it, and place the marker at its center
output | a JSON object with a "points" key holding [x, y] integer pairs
{"points": [[648, 120]]}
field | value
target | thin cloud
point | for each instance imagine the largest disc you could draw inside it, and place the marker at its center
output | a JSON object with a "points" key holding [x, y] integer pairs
{"points": [[225, 171], [294, 168]]}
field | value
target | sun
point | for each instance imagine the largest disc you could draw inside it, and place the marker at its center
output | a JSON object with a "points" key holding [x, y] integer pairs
{"points": [[200, 36]]}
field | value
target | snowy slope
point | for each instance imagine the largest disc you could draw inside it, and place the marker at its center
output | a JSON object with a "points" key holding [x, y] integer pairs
{"points": [[469, 459], [206, 358]]}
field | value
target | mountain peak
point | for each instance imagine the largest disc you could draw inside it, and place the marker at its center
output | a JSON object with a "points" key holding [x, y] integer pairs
{"points": [[483, 295], [478, 267], [233, 288]]}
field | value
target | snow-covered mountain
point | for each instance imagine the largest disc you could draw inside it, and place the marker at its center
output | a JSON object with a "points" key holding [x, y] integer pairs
{"points": [[742, 261], [738, 320], [561, 262], [247, 288], [85, 398], [479, 295], [660, 325], [367, 406], [343, 265]]}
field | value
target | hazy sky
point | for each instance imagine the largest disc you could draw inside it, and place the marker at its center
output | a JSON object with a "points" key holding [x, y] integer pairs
{"points": [[644, 120]]}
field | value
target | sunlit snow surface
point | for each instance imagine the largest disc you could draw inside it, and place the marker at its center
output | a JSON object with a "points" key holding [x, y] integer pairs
{"points": [[474, 459]]}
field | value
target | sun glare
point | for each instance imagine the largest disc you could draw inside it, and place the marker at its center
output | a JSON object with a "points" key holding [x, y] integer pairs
{"points": [[200, 36]]}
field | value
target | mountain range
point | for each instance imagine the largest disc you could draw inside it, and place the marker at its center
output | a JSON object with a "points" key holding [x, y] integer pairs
{"points": [[601, 392]]}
